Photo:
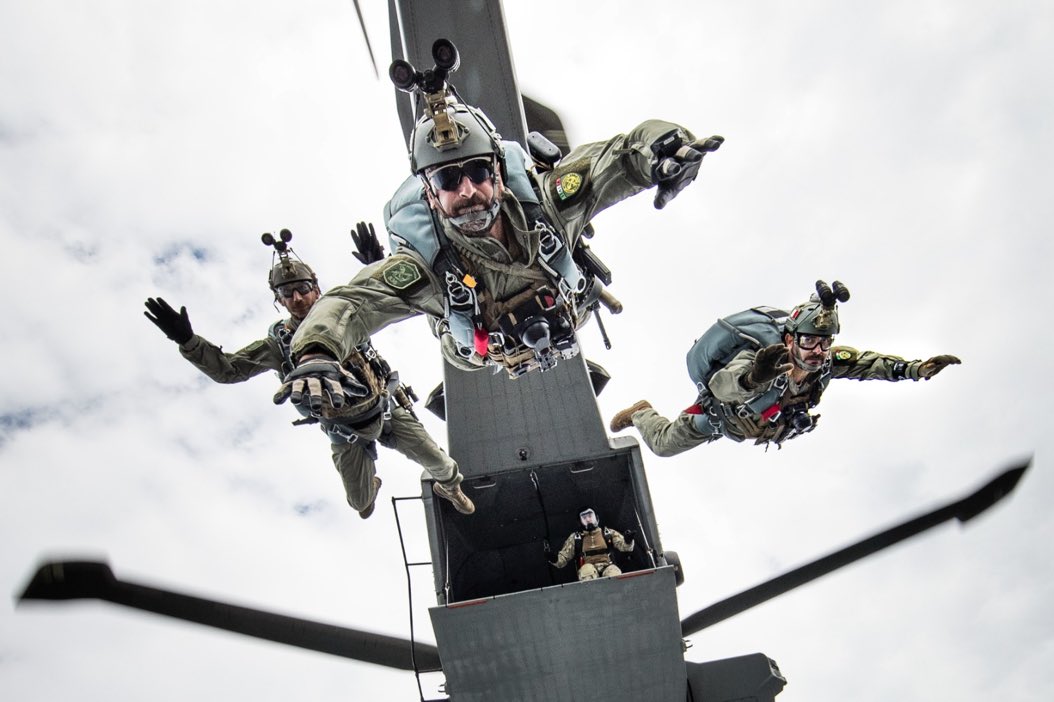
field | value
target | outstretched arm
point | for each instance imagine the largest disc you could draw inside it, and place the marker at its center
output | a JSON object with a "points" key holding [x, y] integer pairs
{"points": [[383, 293], [249, 362], [595, 176], [210, 359], [847, 362]]}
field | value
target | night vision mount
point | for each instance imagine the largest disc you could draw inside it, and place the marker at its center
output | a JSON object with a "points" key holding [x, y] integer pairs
{"points": [[286, 270], [280, 245], [829, 294], [432, 88]]}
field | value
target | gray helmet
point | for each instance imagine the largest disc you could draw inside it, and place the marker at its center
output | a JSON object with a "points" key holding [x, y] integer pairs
{"points": [[818, 316], [462, 132]]}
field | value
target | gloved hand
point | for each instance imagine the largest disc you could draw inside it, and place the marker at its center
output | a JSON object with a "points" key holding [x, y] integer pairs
{"points": [[935, 365], [677, 163], [770, 363], [175, 325], [322, 383], [369, 249]]}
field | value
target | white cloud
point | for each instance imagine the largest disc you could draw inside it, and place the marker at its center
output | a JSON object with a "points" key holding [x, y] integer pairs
{"points": [[900, 147]]}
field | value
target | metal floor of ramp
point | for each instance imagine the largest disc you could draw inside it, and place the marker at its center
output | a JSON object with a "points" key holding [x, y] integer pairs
{"points": [[613, 639]]}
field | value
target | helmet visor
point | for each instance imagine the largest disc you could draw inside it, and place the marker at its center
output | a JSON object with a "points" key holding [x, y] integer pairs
{"points": [[588, 518]]}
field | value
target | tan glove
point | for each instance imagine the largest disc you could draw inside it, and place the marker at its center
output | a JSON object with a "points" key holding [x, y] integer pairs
{"points": [[770, 363]]}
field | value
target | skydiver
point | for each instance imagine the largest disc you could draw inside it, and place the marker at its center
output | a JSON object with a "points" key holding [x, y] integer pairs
{"points": [[764, 390], [494, 268], [591, 548], [375, 408]]}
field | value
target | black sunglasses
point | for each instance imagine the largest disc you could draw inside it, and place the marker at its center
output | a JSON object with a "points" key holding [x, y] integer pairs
{"points": [[478, 170]]}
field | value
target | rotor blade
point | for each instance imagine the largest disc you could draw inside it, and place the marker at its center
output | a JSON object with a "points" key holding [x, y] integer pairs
{"points": [[366, 36], [964, 509], [72, 580]]}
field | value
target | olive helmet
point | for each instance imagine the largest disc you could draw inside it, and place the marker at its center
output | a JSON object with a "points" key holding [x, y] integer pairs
{"points": [[448, 129], [818, 316], [287, 269]]}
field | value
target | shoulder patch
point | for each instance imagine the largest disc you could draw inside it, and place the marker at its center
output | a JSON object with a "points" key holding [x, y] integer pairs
{"points": [[844, 354], [569, 181], [402, 274]]}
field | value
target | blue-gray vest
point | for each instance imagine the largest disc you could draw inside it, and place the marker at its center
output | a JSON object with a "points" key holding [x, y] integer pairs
{"points": [[411, 226]]}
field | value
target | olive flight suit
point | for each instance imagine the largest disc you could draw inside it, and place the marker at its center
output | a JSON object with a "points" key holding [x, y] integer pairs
{"points": [[588, 180], [354, 451], [717, 414]]}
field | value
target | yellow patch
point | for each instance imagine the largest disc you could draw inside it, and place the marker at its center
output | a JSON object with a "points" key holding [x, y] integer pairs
{"points": [[568, 184], [843, 355]]}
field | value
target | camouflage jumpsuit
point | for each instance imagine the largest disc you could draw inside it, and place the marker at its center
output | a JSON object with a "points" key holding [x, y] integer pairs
{"points": [[404, 285], [595, 559], [354, 460], [700, 424]]}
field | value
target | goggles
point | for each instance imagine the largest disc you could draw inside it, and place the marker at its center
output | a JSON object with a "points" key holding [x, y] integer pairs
{"points": [[811, 341], [287, 290], [448, 177]]}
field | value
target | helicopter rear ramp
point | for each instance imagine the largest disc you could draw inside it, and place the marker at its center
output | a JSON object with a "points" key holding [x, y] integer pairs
{"points": [[613, 639]]}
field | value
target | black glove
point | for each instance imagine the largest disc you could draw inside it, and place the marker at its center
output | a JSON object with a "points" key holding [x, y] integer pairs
{"points": [[369, 249], [175, 325], [935, 365], [322, 383], [769, 364], [677, 163]]}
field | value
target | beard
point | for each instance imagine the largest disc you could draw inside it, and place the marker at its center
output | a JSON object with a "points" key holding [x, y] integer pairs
{"points": [[476, 216]]}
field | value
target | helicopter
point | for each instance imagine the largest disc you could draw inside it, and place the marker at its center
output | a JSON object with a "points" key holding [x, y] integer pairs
{"points": [[514, 475]]}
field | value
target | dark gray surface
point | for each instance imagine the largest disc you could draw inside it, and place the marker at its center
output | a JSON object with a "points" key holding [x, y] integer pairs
{"points": [[501, 548], [609, 639], [485, 58], [497, 423], [753, 678]]}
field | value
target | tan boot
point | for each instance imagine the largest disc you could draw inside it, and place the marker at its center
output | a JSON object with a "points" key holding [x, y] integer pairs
{"points": [[624, 419], [455, 496], [366, 511]]}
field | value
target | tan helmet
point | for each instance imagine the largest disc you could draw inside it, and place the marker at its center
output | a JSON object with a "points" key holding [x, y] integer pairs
{"points": [[288, 269]]}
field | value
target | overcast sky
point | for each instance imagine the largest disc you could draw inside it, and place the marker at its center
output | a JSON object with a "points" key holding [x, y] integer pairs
{"points": [[904, 148]]}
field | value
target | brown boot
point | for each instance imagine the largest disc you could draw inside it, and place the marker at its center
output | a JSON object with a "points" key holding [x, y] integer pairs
{"points": [[366, 511], [455, 496], [624, 419]]}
